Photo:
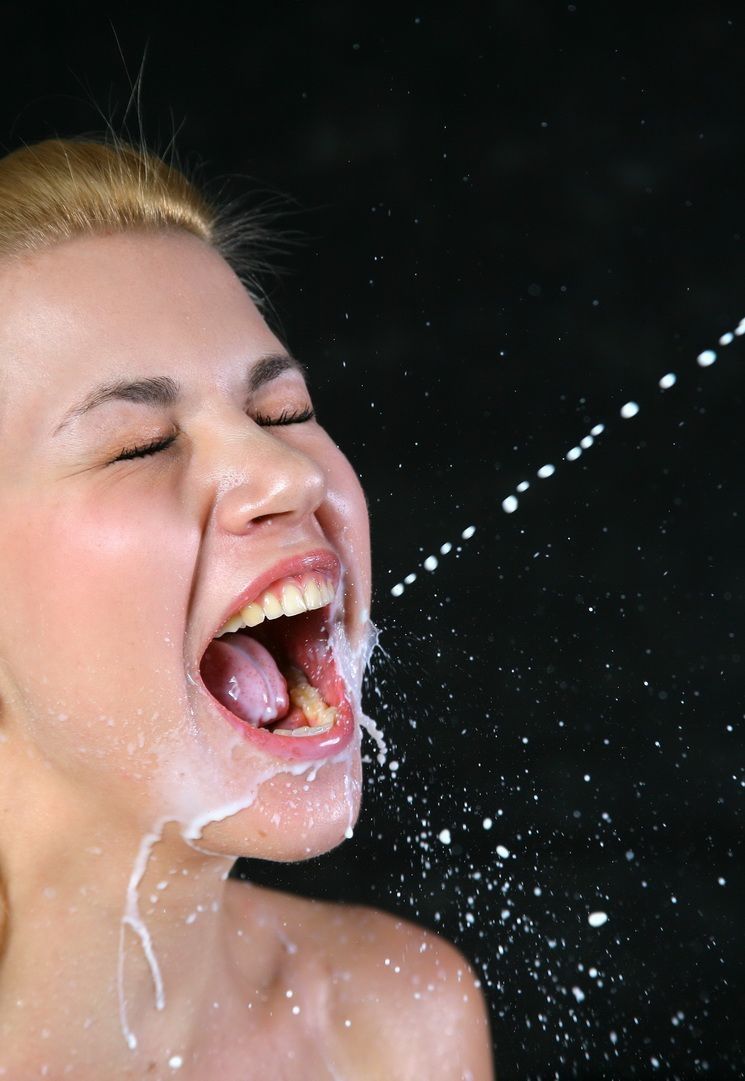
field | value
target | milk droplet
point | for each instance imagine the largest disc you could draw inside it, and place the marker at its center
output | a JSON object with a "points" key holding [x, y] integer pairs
{"points": [[503, 852], [510, 503], [175, 1062], [597, 919], [444, 836]]}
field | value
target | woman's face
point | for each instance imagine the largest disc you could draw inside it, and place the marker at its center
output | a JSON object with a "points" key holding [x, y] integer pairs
{"points": [[115, 575]]}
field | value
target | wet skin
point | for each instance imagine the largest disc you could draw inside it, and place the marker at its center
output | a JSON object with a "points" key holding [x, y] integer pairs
{"points": [[113, 575]]}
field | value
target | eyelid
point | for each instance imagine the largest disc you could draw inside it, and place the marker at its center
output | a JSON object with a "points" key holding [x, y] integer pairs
{"points": [[144, 450], [154, 446], [287, 416]]}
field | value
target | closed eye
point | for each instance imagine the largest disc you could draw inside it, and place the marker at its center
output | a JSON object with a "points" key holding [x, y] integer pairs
{"points": [[143, 451], [287, 416]]}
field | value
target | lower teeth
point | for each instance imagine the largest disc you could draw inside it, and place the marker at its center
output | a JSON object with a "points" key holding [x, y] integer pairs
{"points": [[307, 698], [306, 730]]}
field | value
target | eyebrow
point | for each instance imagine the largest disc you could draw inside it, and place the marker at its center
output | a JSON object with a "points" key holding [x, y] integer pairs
{"points": [[159, 391]]}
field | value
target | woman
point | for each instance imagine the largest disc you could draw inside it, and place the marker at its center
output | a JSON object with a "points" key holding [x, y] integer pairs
{"points": [[185, 584]]}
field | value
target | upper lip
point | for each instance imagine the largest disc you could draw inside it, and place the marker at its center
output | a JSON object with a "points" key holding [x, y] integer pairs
{"points": [[316, 559]]}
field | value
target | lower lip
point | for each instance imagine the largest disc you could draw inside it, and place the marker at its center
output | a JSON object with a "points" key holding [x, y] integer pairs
{"points": [[298, 748]]}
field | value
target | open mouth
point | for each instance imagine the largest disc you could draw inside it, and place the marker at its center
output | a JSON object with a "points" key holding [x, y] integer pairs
{"points": [[271, 671]]}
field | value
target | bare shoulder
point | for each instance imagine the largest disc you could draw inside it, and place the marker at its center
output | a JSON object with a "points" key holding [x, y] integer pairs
{"points": [[414, 1000], [398, 1002]]}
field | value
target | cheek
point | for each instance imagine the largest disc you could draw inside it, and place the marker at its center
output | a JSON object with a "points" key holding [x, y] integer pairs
{"points": [[344, 517], [95, 598]]}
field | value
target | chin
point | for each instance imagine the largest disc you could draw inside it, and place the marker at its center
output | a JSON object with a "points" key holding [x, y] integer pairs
{"points": [[293, 816]]}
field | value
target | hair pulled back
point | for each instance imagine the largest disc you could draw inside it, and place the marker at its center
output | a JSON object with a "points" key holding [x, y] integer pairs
{"points": [[60, 188], [57, 189]]}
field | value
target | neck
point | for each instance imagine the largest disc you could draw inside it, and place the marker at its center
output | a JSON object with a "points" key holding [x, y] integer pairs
{"points": [[120, 951]]}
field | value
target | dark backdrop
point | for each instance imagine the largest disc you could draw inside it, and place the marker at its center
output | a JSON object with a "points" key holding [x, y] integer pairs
{"points": [[519, 215]]}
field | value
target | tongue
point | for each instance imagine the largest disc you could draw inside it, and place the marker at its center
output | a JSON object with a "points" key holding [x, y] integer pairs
{"points": [[244, 677]]}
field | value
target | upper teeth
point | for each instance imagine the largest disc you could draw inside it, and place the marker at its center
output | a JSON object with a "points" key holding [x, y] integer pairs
{"points": [[289, 597]]}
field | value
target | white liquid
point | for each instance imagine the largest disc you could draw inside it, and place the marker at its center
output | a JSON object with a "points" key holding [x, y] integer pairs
{"points": [[194, 804], [628, 410]]}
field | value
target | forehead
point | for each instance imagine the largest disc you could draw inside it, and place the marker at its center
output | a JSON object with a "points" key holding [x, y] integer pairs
{"points": [[103, 306]]}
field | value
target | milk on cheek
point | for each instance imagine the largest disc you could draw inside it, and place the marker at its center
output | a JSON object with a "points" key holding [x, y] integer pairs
{"points": [[95, 644]]}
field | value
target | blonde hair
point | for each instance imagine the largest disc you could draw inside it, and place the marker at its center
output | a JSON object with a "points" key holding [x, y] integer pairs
{"points": [[57, 189]]}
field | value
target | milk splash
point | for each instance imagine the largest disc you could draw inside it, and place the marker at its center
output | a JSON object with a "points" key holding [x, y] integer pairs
{"points": [[627, 411], [193, 819]]}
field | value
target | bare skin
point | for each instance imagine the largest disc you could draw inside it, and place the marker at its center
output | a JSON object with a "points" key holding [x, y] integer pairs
{"points": [[333, 992], [114, 574]]}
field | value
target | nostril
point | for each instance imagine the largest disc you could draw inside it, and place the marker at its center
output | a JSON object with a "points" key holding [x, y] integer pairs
{"points": [[290, 488]]}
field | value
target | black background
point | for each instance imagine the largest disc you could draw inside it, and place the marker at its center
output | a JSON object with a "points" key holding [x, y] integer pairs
{"points": [[518, 217]]}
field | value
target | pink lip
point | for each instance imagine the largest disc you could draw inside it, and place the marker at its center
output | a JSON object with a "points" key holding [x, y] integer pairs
{"points": [[292, 748], [319, 559]]}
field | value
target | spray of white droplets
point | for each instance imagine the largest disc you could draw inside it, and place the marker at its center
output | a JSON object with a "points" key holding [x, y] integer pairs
{"points": [[431, 563], [630, 409]]}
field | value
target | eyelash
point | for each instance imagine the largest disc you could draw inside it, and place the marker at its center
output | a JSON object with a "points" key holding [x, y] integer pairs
{"points": [[285, 417]]}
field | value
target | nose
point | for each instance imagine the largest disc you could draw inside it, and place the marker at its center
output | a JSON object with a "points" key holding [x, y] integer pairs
{"points": [[268, 479]]}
